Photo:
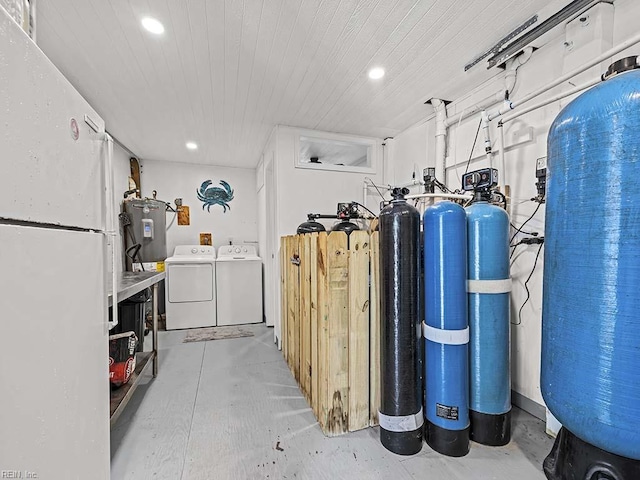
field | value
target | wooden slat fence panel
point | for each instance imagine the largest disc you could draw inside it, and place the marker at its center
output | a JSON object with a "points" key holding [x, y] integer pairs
{"points": [[330, 325], [358, 330], [313, 261], [374, 336], [305, 315], [321, 366]]}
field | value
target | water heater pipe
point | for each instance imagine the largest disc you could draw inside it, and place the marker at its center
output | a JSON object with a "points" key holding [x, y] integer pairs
{"points": [[601, 58]]}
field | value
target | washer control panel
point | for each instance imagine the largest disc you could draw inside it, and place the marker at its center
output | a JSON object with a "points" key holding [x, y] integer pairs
{"points": [[238, 251]]}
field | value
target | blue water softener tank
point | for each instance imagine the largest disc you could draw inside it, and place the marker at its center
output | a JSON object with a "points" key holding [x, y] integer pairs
{"points": [[590, 374], [489, 286], [446, 329]]}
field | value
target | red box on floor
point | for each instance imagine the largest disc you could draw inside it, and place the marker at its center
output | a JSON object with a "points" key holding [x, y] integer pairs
{"points": [[122, 357]]}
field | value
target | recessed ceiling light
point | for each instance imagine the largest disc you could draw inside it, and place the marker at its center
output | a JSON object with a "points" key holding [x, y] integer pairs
{"points": [[376, 73], [152, 25], [192, 145]]}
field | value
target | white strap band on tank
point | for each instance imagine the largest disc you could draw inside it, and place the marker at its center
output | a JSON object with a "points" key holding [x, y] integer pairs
{"points": [[489, 286], [445, 337], [406, 423]]}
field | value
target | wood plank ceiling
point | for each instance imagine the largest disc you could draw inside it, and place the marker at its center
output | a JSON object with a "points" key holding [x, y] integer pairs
{"points": [[226, 71]]}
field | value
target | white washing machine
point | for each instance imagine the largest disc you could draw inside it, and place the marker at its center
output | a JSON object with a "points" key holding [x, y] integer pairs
{"points": [[239, 285], [190, 287]]}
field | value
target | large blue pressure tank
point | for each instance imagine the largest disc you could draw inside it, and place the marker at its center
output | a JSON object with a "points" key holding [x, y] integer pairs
{"points": [[590, 375], [445, 329], [489, 286]]}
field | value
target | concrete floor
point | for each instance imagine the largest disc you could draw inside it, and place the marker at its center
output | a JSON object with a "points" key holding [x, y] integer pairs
{"points": [[230, 409]]}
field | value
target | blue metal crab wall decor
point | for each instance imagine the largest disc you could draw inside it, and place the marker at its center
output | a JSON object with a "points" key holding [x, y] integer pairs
{"points": [[209, 195]]}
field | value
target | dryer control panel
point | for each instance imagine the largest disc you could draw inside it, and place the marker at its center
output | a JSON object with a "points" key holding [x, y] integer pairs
{"points": [[192, 250]]}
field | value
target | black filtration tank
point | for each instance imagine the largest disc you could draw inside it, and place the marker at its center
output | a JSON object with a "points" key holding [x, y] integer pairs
{"points": [[401, 417]]}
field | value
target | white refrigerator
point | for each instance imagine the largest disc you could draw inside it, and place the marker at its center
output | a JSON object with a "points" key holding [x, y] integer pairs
{"points": [[54, 169]]}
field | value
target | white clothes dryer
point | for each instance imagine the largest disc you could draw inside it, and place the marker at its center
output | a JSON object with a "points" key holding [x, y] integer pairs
{"points": [[190, 287]]}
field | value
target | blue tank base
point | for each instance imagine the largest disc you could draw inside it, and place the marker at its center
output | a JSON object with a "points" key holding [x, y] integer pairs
{"points": [[453, 443], [575, 459], [489, 429], [402, 443]]}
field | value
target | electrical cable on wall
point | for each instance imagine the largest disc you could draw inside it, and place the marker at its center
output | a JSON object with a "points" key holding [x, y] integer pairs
{"points": [[441, 186], [526, 283], [374, 186], [473, 147], [503, 198], [133, 251], [360, 205], [533, 234], [525, 222], [169, 208]]}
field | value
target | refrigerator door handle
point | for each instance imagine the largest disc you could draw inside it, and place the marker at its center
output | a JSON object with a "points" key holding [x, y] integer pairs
{"points": [[111, 226], [92, 123]]}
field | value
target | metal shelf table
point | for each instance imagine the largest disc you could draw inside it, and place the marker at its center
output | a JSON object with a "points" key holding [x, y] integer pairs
{"points": [[129, 284]]}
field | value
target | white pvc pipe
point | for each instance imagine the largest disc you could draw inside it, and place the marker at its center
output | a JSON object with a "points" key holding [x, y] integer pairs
{"points": [[440, 195], [478, 107], [512, 66], [510, 75], [412, 183], [606, 55], [487, 137], [502, 173], [549, 100], [441, 138], [502, 181], [365, 192]]}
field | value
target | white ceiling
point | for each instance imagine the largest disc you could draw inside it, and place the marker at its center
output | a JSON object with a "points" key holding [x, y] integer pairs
{"points": [[225, 72]]}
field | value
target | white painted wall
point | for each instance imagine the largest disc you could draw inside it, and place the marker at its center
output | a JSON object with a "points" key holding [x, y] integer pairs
{"points": [[412, 151], [299, 191], [172, 180], [525, 142], [262, 237]]}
